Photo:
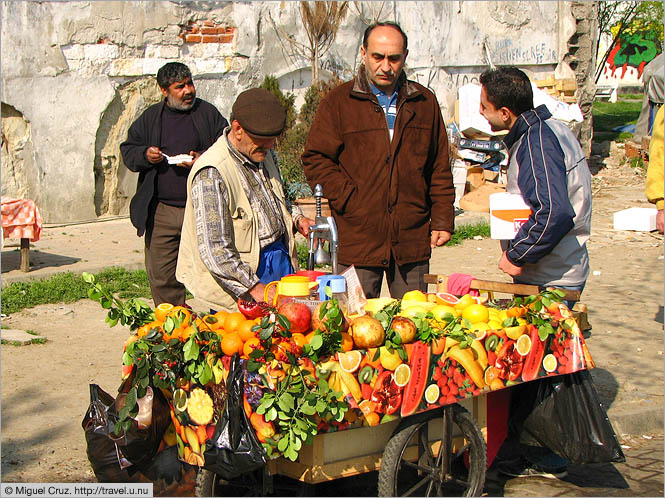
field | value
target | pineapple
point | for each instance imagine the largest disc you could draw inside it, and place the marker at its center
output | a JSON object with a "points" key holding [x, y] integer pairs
{"points": [[199, 407]]}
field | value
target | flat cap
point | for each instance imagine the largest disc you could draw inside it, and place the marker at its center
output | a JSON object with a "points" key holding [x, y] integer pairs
{"points": [[259, 112]]}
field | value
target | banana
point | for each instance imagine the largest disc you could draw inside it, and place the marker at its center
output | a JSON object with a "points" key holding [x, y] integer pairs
{"points": [[480, 353], [349, 382], [192, 439], [465, 358]]}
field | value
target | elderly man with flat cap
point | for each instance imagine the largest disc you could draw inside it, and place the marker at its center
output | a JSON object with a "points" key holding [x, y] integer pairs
{"points": [[238, 232]]}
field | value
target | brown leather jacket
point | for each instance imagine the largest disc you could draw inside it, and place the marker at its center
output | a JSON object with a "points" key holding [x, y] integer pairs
{"points": [[384, 195]]}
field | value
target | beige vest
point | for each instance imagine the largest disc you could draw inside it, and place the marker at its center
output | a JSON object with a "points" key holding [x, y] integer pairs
{"points": [[191, 270]]}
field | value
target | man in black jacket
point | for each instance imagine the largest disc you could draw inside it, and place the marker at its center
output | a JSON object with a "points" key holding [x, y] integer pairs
{"points": [[180, 125]]}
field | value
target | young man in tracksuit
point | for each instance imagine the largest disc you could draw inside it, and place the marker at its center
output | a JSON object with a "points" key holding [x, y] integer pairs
{"points": [[548, 169]]}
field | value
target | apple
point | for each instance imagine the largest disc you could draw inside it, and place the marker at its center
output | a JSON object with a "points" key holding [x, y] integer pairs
{"points": [[405, 328], [367, 332]]}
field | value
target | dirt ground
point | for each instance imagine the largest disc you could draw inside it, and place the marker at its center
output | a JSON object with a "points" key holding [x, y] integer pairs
{"points": [[45, 386]]}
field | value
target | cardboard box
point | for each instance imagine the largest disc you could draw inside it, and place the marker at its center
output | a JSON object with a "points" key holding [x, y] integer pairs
{"points": [[638, 219], [508, 212]]}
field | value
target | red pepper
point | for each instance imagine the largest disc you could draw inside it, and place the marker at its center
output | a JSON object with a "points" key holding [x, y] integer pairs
{"points": [[253, 309]]}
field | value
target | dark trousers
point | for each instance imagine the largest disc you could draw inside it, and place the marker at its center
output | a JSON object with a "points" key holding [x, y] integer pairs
{"points": [[162, 240], [400, 278]]}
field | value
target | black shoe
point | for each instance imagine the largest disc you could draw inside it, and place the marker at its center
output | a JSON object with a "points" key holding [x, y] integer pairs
{"points": [[523, 468]]}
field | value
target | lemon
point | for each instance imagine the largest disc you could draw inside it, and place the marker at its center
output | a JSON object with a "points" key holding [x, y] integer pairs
{"points": [[390, 360], [494, 325], [402, 375], [503, 314], [179, 400], [476, 313], [480, 330], [350, 360], [412, 311], [549, 363], [515, 332], [426, 305], [523, 344], [432, 393], [414, 295], [377, 304], [464, 301], [441, 310]]}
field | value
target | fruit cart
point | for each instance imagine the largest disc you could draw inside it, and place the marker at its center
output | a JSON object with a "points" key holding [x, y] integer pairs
{"points": [[437, 444]]}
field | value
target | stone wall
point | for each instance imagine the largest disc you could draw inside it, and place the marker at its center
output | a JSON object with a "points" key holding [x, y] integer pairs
{"points": [[71, 89]]}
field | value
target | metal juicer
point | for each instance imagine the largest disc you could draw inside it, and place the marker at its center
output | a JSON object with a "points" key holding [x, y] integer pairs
{"points": [[324, 228]]}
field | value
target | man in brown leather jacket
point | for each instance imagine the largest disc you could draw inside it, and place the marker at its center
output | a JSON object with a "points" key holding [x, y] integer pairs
{"points": [[378, 146]]}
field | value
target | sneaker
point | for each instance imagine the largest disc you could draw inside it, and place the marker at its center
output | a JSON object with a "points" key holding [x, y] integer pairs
{"points": [[523, 468]]}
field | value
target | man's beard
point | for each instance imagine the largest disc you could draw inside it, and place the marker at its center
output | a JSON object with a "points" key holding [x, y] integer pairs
{"points": [[178, 104]]}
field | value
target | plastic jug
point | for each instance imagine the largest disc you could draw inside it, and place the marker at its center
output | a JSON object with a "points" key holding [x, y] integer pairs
{"points": [[311, 274], [289, 288], [337, 284]]}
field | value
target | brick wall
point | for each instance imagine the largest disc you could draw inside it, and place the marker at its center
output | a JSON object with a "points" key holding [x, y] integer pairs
{"points": [[208, 32]]}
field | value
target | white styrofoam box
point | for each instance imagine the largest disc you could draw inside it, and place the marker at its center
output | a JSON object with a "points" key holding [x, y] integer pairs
{"points": [[639, 219], [508, 212]]}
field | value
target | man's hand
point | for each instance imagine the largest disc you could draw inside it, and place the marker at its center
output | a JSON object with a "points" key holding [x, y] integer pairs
{"points": [[659, 221], [303, 225], [439, 238], [507, 267], [154, 155], [188, 164], [258, 292]]}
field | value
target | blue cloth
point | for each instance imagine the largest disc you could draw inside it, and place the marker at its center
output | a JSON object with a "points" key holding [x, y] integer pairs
{"points": [[274, 262], [389, 104]]}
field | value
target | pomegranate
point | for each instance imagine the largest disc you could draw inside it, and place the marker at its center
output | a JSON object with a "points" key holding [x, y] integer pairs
{"points": [[405, 328], [298, 315], [367, 332], [317, 323]]}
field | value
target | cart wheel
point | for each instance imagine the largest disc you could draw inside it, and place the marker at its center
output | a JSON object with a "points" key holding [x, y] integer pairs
{"points": [[410, 468], [210, 484]]}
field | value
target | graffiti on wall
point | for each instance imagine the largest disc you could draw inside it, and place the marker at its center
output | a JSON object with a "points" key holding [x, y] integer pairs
{"points": [[632, 50], [505, 52]]}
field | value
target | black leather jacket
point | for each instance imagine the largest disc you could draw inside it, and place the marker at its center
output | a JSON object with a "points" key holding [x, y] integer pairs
{"points": [[146, 132]]}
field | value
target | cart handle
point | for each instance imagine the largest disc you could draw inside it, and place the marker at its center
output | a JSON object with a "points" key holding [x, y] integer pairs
{"points": [[521, 289]]}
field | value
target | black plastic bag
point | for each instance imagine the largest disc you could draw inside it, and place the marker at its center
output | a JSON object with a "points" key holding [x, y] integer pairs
{"points": [[101, 449], [139, 445], [565, 414], [234, 448]]}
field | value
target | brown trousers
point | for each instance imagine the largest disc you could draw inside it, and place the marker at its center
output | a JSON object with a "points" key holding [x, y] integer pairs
{"points": [[399, 278], [162, 240]]}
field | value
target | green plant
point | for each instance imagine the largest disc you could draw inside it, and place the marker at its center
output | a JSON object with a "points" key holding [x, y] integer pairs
{"points": [[69, 287], [132, 313], [469, 231], [607, 116], [638, 163]]}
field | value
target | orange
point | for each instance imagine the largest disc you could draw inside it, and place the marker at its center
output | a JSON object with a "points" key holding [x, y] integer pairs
{"points": [[143, 330], [309, 336], [515, 312], [347, 342], [162, 310], [299, 339], [221, 320], [233, 321], [372, 418], [371, 352], [245, 330], [366, 406], [250, 345], [350, 360], [232, 343], [185, 333]]}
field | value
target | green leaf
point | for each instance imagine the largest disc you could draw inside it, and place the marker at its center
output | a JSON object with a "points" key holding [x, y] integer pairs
{"points": [[542, 333], [130, 400], [286, 402], [271, 414], [546, 301], [316, 342], [191, 349], [88, 278], [282, 444], [283, 322]]}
